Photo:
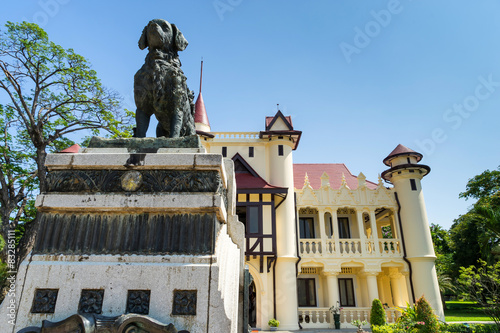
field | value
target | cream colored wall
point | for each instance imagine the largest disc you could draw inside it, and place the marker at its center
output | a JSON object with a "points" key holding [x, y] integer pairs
{"points": [[258, 162]]}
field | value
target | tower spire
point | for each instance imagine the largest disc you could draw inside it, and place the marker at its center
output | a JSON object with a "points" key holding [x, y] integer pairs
{"points": [[200, 113], [201, 73]]}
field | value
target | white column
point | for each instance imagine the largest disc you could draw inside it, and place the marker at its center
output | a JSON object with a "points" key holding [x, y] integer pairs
{"points": [[322, 231], [335, 225], [395, 222], [396, 287], [364, 291], [286, 296], [333, 287], [373, 223], [406, 275], [371, 281], [361, 228]]}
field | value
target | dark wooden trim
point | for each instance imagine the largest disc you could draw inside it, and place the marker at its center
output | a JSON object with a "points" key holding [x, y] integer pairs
{"points": [[206, 134], [279, 190], [238, 157]]}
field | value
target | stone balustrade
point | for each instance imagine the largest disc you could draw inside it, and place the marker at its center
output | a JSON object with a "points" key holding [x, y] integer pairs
{"points": [[235, 135], [349, 247], [322, 318]]}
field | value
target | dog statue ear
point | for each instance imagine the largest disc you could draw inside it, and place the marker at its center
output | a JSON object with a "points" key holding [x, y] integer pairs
{"points": [[180, 42], [143, 41]]}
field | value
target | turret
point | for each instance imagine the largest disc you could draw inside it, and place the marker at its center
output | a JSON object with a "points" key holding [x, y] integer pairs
{"points": [[282, 140], [405, 174], [200, 114]]}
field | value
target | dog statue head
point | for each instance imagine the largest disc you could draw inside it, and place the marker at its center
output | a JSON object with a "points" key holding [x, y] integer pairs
{"points": [[161, 35]]}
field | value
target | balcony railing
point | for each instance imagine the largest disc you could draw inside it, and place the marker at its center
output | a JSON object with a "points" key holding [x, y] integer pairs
{"points": [[390, 247], [322, 318], [349, 247], [310, 247], [235, 135]]}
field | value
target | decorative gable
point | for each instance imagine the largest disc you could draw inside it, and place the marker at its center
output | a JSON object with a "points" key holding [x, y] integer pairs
{"points": [[279, 123]]}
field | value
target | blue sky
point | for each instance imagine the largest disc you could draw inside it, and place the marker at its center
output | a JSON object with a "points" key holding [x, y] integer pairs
{"points": [[358, 77]]}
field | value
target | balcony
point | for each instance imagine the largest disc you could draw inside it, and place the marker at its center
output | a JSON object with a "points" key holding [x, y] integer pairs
{"points": [[349, 248], [322, 318]]}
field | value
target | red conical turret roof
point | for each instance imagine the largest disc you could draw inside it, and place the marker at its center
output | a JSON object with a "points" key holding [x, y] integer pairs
{"points": [[200, 113], [402, 150]]}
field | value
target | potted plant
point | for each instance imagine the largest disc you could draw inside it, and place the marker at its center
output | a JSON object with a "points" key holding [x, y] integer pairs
{"points": [[273, 323], [359, 325], [335, 309]]}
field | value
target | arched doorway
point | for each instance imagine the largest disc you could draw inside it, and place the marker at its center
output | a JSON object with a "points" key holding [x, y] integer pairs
{"points": [[252, 305]]}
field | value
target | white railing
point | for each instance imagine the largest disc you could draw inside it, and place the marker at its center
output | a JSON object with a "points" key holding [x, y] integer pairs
{"points": [[390, 247], [235, 135], [330, 246], [322, 318], [349, 247], [310, 246], [315, 317]]}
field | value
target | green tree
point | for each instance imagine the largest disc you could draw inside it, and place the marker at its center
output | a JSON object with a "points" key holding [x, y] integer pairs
{"points": [[48, 93], [485, 188], [482, 284], [444, 260]]}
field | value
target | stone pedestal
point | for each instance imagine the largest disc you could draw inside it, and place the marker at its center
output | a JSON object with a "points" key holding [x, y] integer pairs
{"points": [[139, 229]]}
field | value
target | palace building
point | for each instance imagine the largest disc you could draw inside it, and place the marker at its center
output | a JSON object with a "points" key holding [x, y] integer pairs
{"points": [[317, 234]]}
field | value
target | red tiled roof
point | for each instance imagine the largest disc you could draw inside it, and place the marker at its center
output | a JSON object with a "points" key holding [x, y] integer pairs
{"points": [[400, 150], [333, 170], [200, 113], [248, 178], [249, 181], [73, 149]]}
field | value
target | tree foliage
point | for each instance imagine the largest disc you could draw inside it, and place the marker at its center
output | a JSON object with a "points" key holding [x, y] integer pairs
{"points": [[482, 285], [484, 187], [47, 93]]}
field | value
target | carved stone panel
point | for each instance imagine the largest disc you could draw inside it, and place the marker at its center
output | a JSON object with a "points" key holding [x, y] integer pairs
{"points": [[147, 181], [44, 301], [91, 301], [184, 302], [138, 301]]}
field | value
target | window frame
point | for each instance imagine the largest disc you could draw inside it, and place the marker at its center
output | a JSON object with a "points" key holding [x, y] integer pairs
{"points": [[348, 224], [313, 232], [342, 303], [315, 298]]}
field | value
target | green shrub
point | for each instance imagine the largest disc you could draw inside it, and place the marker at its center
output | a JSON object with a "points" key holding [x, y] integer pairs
{"points": [[377, 313], [456, 328], [481, 328], [389, 328], [426, 314], [473, 328], [273, 323]]}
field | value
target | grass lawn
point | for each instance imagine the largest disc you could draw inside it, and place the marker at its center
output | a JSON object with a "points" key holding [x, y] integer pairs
{"points": [[464, 311]]}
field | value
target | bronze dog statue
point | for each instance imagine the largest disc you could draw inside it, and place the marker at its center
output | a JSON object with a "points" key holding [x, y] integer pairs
{"points": [[160, 85]]}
